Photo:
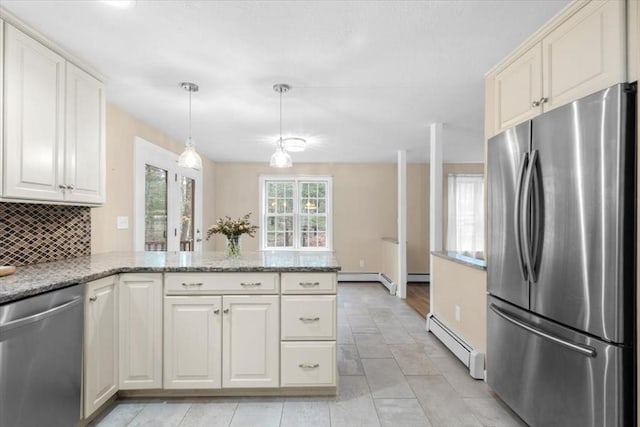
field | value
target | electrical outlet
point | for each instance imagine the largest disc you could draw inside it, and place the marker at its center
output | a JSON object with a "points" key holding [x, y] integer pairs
{"points": [[361, 263], [457, 313]]}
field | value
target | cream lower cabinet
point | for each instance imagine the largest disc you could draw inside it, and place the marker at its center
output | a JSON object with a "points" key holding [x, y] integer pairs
{"points": [[100, 343], [251, 341], [219, 333], [309, 321], [140, 331], [192, 339]]}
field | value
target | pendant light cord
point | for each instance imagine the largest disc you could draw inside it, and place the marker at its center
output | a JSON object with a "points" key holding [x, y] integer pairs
{"points": [[281, 147], [189, 112]]}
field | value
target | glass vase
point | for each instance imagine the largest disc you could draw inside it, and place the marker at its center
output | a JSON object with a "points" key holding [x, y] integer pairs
{"points": [[233, 246]]}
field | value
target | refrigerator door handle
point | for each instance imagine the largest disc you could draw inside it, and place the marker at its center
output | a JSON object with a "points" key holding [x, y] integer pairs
{"points": [[582, 349], [526, 217], [517, 213]]}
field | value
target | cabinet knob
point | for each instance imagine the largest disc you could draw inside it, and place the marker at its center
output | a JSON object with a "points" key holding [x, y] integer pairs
{"points": [[62, 187], [225, 311], [93, 299], [71, 187], [539, 102], [216, 311]]}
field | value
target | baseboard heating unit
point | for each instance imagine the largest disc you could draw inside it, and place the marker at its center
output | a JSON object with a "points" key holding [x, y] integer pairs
{"points": [[471, 358]]}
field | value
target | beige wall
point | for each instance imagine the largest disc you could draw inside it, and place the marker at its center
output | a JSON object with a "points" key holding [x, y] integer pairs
{"points": [[418, 218], [364, 205], [448, 168], [121, 130], [454, 285]]}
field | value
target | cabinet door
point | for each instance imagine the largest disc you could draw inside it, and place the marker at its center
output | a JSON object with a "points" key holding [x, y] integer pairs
{"points": [[100, 343], [34, 82], [140, 307], [84, 140], [250, 341], [585, 54], [517, 88], [192, 351]]}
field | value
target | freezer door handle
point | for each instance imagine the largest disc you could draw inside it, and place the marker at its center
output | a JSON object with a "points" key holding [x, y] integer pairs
{"points": [[526, 216], [517, 213], [582, 349]]}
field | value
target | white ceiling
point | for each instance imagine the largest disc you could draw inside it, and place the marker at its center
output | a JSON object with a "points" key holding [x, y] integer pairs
{"points": [[368, 77]]}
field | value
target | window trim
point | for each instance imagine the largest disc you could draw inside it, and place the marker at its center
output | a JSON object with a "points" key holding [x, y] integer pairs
{"points": [[297, 179]]}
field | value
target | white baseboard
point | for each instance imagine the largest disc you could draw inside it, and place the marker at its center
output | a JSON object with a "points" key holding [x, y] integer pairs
{"points": [[375, 277], [471, 358], [419, 277]]}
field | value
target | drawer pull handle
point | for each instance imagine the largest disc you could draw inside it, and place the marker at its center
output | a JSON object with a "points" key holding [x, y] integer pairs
{"points": [[186, 285], [308, 284], [93, 299], [250, 283], [309, 365], [216, 311], [309, 319]]}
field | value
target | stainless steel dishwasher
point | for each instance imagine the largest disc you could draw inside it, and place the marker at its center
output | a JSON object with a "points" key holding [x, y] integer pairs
{"points": [[41, 359]]}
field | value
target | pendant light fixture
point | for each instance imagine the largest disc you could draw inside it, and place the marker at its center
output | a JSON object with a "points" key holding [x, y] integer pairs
{"points": [[280, 159], [189, 157]]}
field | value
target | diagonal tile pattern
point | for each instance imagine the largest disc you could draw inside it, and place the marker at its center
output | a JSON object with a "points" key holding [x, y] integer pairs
{"points": [[392, 373]]}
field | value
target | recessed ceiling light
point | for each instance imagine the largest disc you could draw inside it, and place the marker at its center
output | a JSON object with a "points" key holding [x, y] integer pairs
{"points": [[122, 4]]}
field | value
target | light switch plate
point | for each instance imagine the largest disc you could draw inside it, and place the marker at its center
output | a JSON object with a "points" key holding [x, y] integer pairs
{"points": [[122, 222]]}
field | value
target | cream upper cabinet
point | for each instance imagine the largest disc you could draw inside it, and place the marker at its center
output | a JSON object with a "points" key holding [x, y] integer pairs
{"points": [[84, 138], [54, 142], [100, 343], [585, 54], [192, 336], [580, 52], [140, 331], [34, 100], [251, 341], [517, 89]]}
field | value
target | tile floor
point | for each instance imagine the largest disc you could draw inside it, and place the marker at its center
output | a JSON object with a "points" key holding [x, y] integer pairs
{"points": [[392, 373]]}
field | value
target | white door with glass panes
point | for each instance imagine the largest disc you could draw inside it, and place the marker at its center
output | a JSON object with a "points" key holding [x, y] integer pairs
{"points": [[168, 201], [296, 212]]}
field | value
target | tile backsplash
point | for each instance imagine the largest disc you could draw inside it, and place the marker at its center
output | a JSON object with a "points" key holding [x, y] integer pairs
{"points": [[32, 233]]}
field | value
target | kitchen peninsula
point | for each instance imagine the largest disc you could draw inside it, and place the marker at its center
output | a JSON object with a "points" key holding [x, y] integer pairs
{"points": [[181, 323]]}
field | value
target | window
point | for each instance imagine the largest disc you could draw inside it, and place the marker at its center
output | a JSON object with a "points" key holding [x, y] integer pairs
{"points": [[465, 219], [168, 201], [295, 213]]}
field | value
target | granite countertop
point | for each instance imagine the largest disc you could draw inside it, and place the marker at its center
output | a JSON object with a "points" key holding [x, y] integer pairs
{"points": [[38, 278], [470, 259]]}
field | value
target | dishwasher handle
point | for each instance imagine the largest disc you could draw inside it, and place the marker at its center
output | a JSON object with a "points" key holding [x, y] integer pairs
{"points": [[39, 316]]}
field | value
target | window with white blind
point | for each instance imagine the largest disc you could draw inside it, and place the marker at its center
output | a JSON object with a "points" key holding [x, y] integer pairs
{"points": [[465, 219], [295, 213]]}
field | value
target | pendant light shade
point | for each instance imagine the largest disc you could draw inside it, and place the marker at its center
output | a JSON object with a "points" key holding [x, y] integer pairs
{"points": [[189, 157], [280, 159]]}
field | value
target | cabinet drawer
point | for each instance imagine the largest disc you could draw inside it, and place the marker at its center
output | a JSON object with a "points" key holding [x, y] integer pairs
{"points": [[219, 283], [308, 283], [309, 317], [308, 364]]}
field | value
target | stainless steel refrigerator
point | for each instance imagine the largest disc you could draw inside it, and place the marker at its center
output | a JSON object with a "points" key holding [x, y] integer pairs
{"points": [[561, 263]]}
